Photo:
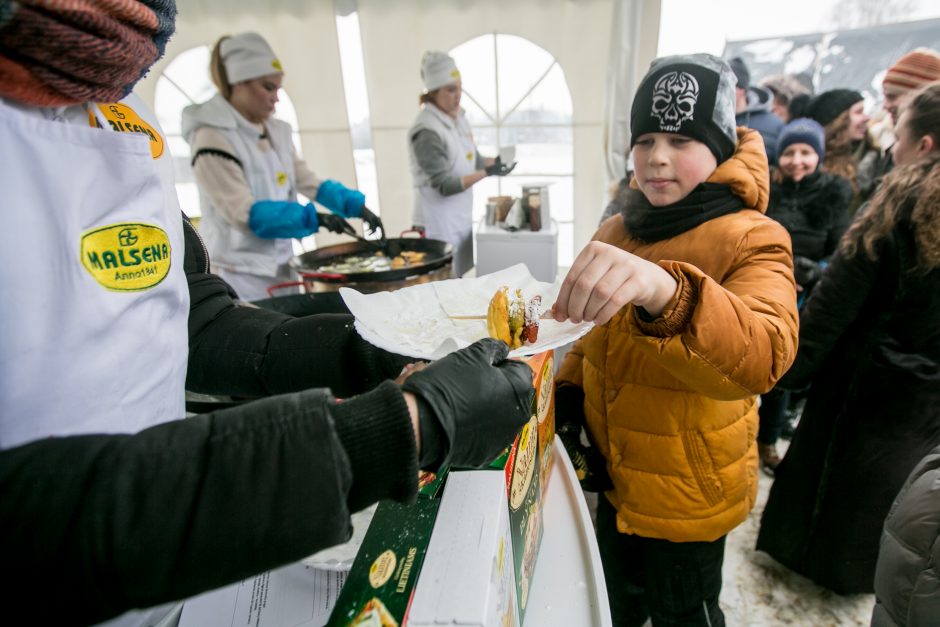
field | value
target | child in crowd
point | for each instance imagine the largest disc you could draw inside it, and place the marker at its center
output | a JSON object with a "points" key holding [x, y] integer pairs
{"points": [[692, 293]]}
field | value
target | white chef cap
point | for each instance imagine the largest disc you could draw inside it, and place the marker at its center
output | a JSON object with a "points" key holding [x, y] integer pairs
{"points": [[247, 56], [438, 69]]}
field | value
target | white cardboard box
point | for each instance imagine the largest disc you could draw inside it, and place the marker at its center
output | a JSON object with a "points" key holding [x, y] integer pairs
{"points": [[468, 574], [497, 249]]}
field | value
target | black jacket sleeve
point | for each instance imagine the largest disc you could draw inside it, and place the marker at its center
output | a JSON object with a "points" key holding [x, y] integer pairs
{"points": [[834, 306], [244, 351], [95, 525]]}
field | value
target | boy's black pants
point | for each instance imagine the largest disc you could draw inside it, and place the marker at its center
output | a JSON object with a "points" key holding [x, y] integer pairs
{"points": [[674, 583], [773, 415]]}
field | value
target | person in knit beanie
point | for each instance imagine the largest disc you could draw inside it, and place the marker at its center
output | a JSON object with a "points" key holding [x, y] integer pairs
{"points": [[851, 151], [912, 71], [690, 289], [803, 131], [827, 106]]}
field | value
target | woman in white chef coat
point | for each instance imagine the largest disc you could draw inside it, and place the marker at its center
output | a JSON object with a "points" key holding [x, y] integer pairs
{"points": [[249, 174], [445, 162]]}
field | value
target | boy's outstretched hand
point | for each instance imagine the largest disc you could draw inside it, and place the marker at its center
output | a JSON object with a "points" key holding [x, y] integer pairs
{"points": [[604, 278]]}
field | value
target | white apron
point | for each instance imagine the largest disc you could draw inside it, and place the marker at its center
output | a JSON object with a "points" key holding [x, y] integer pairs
{"points": [[250, 264], [450, 218], [93, 297]]}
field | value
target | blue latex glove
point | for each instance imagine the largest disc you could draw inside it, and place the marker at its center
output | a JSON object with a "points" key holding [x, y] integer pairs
{"points": [[272, 219], [340, 199]]}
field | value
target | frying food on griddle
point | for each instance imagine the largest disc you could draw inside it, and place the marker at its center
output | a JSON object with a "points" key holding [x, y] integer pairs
{"points": [[376, 262]]}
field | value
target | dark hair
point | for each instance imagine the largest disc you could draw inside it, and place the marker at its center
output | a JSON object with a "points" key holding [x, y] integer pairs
{"points": [[217, 69]]}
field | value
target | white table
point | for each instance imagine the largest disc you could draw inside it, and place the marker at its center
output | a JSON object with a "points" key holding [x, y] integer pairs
{"points": [[568, 586], [497, 249]]}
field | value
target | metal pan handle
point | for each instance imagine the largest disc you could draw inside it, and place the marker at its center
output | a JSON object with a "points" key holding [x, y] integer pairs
{"points": [[324, 276], [273, 288], [420, 232]]}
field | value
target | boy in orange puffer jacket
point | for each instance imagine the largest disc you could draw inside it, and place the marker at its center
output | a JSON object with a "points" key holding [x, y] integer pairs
{"points": [[691, 290]]}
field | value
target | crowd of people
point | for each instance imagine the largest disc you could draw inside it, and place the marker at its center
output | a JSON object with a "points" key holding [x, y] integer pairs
{"points": [[763, 245]]}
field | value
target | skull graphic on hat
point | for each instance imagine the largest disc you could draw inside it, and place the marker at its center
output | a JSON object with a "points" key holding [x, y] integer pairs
{"points": [[674, 98]]}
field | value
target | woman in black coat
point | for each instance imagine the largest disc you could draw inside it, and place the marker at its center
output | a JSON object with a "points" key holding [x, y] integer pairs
{"points": [[870, 347], [813, 207]]}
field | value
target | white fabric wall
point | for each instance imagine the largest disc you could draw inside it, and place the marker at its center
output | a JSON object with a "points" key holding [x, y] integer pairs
{"points": [[587, 37]]}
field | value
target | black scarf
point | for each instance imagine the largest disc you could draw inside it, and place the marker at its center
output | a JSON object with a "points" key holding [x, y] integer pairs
{"points": [[652, 224]]}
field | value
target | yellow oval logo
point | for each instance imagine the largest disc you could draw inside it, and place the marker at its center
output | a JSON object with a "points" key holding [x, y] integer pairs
{"points": [[282, 178], [127, 257], [382, 568], [524, 465], [125, 120], [546, 389]]}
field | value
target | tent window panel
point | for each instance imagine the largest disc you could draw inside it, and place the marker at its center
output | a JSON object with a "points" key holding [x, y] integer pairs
{"points": [[515, 94]]}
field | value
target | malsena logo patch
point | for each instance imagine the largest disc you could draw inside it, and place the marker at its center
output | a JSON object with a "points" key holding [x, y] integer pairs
{"points": [[127, 257], [123, 119]]}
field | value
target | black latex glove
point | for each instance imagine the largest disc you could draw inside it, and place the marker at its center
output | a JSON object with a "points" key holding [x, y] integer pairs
{"points": [[806, 271], [334, 223], [372, 221], [499, 168], [471, 404], [589, 465]]}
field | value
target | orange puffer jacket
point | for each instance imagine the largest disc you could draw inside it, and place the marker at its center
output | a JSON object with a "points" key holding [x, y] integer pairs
{"points": [[672, 403]]}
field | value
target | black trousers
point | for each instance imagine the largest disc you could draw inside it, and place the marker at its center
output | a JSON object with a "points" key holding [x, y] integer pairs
{"points": [[773, 415], [673, 583]]}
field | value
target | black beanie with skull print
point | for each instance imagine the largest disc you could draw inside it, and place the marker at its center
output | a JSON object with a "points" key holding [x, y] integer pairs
{"points": [[691, 95]]}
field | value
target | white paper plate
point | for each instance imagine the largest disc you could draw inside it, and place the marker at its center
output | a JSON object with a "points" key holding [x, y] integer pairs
{"points": [[341, 556], [416, 321]]}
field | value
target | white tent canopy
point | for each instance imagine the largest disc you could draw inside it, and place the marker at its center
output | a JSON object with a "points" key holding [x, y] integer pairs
{"points": [[602, 48]]}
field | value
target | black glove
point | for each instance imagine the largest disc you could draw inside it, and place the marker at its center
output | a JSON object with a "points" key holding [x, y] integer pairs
{"points": [[372, 221], [471, 404], [589, 465], [498, 168], [806, 271], [334, 223]]}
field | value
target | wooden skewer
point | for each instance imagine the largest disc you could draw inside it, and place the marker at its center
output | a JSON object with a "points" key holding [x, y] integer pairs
{"points": [[546, 315]]}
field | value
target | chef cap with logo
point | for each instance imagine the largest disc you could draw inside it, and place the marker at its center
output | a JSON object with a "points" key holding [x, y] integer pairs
{"points": [[247, 56], [438, 69]]}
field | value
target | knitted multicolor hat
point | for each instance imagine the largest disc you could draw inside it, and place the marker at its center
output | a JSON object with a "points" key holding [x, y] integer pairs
{"points": [[913, 70], [691, 95], [57, 52], [803, 131], [829, 105]]}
